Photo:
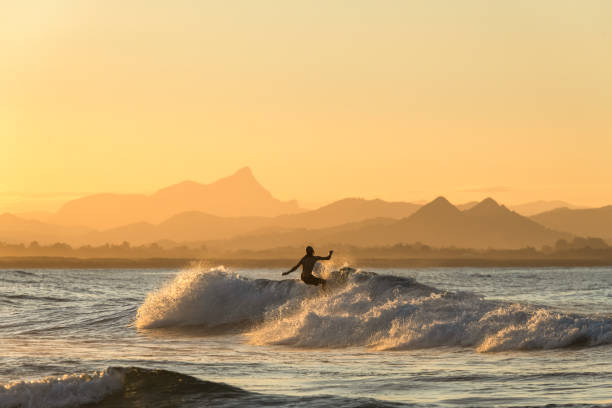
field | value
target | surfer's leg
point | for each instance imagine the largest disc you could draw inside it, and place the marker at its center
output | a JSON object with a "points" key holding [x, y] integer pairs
{"points": [[313, 280], [323, 283]]}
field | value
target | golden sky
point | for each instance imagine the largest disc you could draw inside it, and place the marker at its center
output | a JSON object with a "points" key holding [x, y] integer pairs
{"points": [[401, 100]]}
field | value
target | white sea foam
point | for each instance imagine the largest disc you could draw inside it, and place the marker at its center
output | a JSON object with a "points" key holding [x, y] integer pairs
{"points": [[70, 390], [363, 309], [214, 297]]}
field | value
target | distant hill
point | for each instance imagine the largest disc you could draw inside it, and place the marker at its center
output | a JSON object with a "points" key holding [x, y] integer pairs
{"points": [[43, 216], [351, 221], [236, 212], [537, 207], [237, 195], [16, 230], [277, 238], [192, 226], [590, 222], [439, 223], [198, 226], [348, 210], [484, 225]]}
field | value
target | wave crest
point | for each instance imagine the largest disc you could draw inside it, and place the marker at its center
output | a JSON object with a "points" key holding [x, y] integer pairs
{"points": [[114, 387], [215, 298], [66, 391]]}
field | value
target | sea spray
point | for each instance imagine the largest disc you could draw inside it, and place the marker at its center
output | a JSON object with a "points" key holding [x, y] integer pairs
{"points": [[215, 297]]}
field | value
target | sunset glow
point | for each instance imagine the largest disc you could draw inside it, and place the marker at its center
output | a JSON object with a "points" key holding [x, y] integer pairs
{"points": [[394, 100]]}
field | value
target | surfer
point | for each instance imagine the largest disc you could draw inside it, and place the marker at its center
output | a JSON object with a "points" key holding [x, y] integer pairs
{"points": [[308, 262]]}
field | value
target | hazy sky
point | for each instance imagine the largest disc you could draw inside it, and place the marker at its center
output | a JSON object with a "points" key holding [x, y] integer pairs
{"points": [[402, 100]]}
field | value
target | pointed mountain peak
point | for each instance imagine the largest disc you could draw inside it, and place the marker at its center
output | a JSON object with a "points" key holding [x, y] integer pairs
{"points": [[487, 203], [488, 207], [243, 177], [440, 202], [438, 206], [244, 172]]}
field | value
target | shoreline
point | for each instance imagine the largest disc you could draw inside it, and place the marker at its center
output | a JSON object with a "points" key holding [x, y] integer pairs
{"points": [[163, 263]]}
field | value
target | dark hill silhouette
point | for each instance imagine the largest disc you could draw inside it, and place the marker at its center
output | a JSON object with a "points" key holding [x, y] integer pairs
{"points": [[439, 210], [489, 208], [438, 223], [485, 225], [237, 195], [506, 228], [590, 222], [431, 224]]}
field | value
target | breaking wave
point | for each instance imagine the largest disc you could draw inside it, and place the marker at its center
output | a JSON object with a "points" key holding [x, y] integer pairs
{"points": [[120, 387], [70, 390], [215, 298], [113, 387], [361, 308]]}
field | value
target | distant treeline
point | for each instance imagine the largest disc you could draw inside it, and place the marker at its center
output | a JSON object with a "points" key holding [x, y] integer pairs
{"points": [[124, 250], [578, 248]]}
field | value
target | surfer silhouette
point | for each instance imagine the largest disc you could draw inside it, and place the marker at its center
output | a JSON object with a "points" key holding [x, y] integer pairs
{"points": [[308, 262]]}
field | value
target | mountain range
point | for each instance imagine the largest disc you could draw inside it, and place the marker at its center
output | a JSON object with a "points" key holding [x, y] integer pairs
{"points": [[237, 212], [237, 195], [192, 226], [438, 223]]}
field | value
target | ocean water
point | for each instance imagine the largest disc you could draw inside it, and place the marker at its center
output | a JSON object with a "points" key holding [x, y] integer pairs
{"points": [[215, 336]]}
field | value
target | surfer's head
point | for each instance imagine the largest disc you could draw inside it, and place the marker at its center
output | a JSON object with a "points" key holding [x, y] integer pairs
{"points": [[309, 250]]}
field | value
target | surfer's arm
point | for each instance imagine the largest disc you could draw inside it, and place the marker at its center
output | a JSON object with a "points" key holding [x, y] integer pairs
{"points": [[325, 258], [294, 268]]}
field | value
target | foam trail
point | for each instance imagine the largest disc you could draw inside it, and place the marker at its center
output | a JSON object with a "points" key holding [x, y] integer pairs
{"points": [[391, 313], [70, 390]]}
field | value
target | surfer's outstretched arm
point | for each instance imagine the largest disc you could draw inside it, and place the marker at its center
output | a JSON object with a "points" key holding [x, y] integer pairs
{"points": [[325, 258], [294, 268]]}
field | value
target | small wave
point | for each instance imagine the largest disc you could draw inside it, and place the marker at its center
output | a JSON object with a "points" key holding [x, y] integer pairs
{"points": [[118, 387], [18, 277], [481, 275], [113, 387], [70, 390], [361, 308], [20, 273], [37, 298]]}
